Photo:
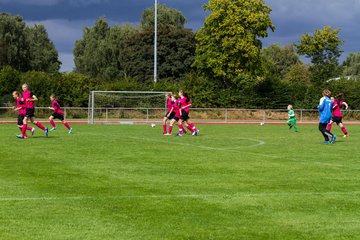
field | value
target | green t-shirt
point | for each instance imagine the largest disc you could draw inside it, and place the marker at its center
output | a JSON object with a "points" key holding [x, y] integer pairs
{"points": [[291, 114]]}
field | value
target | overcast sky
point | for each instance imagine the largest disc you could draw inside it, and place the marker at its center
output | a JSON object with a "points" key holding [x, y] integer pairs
{"points": [[65, 19]]}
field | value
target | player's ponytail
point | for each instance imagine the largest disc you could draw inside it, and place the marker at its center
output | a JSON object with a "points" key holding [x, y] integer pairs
{"points": [[186, 97], [339, 96]]}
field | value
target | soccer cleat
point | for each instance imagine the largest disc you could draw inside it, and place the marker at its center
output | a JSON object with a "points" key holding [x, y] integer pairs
{"points": [[21, 136], [346, 136], [46, 131], [179, 135], [53, 129], [167, 134], [333, 139], [326, 142], [70, 131], [32, 131], [195, 133]]}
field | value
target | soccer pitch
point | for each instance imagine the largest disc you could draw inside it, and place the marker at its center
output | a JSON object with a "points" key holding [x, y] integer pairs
{"points": [[130, 182]]}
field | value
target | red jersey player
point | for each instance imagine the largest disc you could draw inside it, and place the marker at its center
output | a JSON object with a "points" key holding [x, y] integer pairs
{"points": [[29, 99], [21, 108], [185, 104], [176, 112], [55, 106], [170, 113], [337, 115]]}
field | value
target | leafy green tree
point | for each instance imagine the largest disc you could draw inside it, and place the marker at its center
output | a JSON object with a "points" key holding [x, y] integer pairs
{"points": [[9, 82], [166, 16], [75, 89], [350, 89], [229, 43], [127, 51], [351, 65], [203, 92], [117, 47], [26, 48], [92, 54], [14, 47], [176, 52], [43, 55], [298, 73], [323, 48], [137, 55], [277, 60]]}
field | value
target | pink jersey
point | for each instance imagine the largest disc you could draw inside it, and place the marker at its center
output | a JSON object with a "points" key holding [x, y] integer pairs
{"points": [[28, 95], [22, 105], [185, 102], [337, 108], [56, 107], [176, 108], [169, 104]]}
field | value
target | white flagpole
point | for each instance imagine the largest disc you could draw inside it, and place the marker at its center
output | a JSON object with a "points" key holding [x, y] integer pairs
{"points": [[155, 44]]}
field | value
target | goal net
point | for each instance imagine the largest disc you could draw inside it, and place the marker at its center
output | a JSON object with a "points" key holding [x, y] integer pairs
{"points": [[125, 106]]}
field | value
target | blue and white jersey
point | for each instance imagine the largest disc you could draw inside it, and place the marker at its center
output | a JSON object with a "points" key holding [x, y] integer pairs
{"points": [[325, 109]]}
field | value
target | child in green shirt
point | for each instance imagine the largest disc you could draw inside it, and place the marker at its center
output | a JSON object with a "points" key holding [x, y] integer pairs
{"points": [[292, 119]]}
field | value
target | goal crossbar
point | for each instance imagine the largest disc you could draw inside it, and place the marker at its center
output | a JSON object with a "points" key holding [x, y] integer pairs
{"points": [[116, 97]]}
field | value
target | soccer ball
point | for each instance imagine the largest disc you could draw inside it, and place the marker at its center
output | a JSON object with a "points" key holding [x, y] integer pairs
{"points": [[262, 124], [153, 125]]}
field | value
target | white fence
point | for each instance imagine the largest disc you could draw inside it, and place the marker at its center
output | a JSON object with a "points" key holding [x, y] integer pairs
{"points": [[215, 115]]}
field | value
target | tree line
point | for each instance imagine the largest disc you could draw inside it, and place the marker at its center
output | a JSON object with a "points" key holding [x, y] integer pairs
{"points": [[223, 64]]}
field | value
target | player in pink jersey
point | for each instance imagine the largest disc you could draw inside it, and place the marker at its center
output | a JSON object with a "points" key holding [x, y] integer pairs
{"points": [[55, 106], [176, 111], [21, 108], [337, 115], [185, 104], [29, 98], [170, 113]]}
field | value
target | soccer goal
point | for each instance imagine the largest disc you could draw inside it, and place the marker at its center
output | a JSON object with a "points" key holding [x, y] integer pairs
{"points": [[126, 106]]}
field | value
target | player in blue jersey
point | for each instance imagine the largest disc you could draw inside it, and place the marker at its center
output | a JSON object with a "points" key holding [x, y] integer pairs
{"points": [[325, 112]]}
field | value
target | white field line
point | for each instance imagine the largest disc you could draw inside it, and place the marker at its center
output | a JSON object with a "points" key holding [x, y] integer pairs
{"points": [[238, 150], [234, 149], [196, 196]]}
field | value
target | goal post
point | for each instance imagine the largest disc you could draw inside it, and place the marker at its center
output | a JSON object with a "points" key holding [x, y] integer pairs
{"points": [[125, 106]]}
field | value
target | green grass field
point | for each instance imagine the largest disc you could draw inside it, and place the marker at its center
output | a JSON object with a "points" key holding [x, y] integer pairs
{"points": [[130, 182]]}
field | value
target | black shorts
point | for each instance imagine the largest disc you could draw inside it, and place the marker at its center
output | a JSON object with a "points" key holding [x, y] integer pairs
{"points": [[58, 116], [30, 112], [337, 120], [171, 116], [20, 119], [176, 119], [184, 116]]}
